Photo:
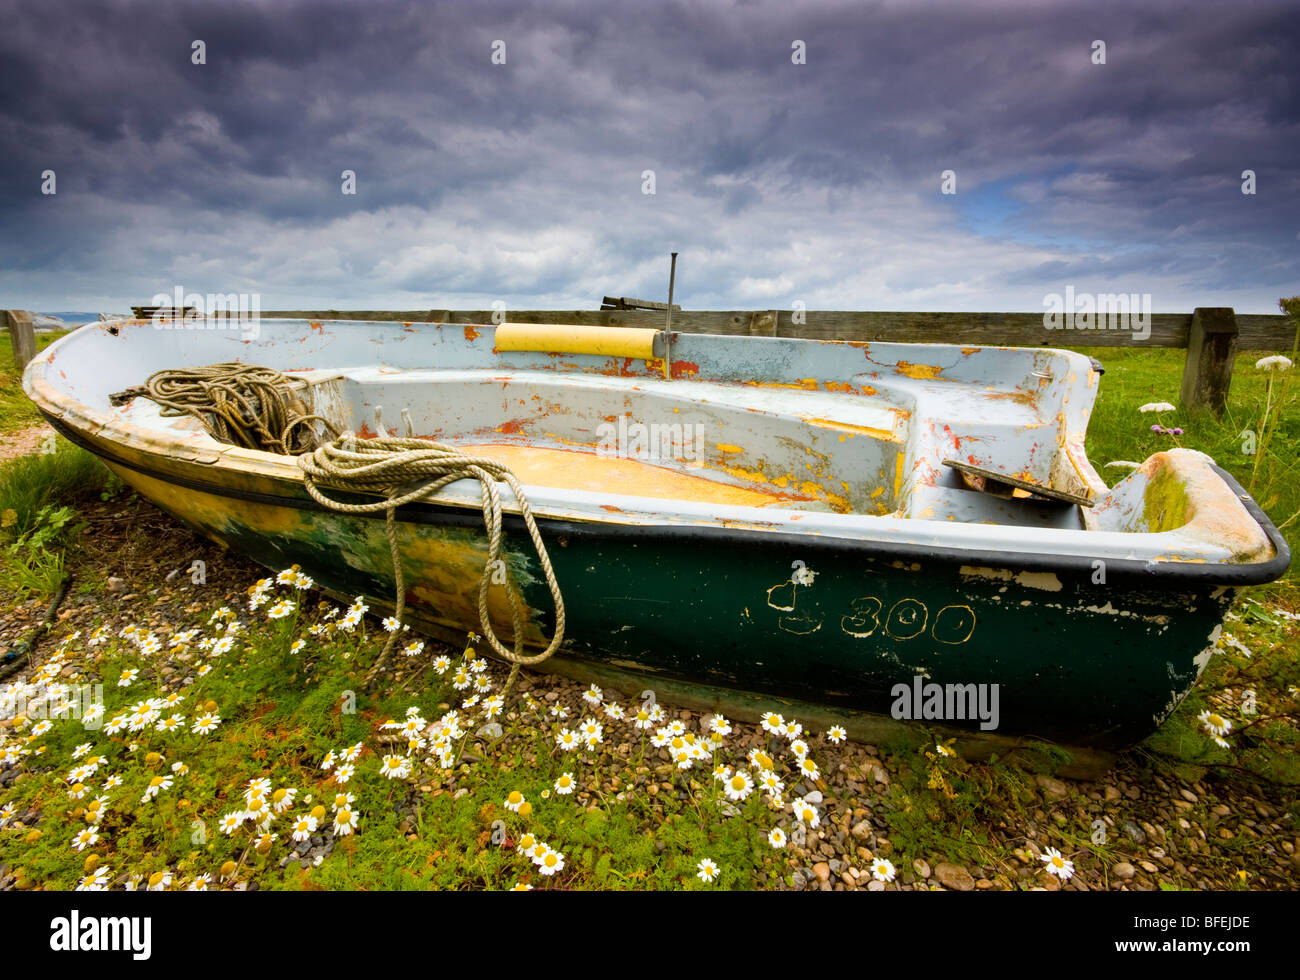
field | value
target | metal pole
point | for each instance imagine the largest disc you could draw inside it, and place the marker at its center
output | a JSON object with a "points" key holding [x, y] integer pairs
{"points": [[668, 325]]}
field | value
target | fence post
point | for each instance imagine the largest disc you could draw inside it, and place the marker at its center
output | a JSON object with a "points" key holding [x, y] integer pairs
{"points": [[1211, 348], [22, 335]]}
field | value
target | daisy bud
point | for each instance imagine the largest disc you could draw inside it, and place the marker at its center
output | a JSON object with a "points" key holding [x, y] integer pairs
{"points": [[152, 760], [318, 812], [92, 862], [210, 707], [228, 869], [525, 809]]}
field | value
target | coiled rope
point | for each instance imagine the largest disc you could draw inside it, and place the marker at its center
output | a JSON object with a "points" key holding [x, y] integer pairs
{"points": [[404, 470], [258, 408], [240, 404]]}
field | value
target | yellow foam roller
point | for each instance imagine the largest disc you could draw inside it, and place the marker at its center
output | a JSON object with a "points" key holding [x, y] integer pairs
{"points": [[563, 338]]}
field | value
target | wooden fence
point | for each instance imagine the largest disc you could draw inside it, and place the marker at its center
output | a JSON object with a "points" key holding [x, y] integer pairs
{"points": [[1212, 336]]}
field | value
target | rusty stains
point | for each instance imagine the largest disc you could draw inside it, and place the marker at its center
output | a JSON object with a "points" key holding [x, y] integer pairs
{"points": [[683, 369], [471, 334], [918, 372]]}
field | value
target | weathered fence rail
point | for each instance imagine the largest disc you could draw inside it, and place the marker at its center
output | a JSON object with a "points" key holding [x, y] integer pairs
{"points": [[1212, 336]]}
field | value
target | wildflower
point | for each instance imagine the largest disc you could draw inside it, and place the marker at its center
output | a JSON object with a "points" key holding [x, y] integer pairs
{"points": [[836, 734], [809, 769], [206, 723], [707, 871], [761, 760], [1275, 364], [282, 799], [392, 624], [799, 747], [77, 791], [771, 784], [256, 788], [415, 649], [806, 813], [567, 740], [171, 724], [559, 711], [477, 666], [113, 780], [281, 609], [739, 785], [527, 845], [492, 706], [85, 838], [442, 664], [793, 729], [882, 869], [155, 785], [345, 822], [461, 679], [593, 696], [773, 723], [200, 884], [1057, 865], [614, 711], [642, 719], [521, 887], [352, 752], [231, 822], [395, 767], [328, 762], [159, 880], [564, 785], [1157, 407], [81, 750], [719, 725], [304, 827], [550, 862], [342, 801], [1215, 723], [482, 684], [776, 837], [96, 881], [344, 772], [297, 646]]}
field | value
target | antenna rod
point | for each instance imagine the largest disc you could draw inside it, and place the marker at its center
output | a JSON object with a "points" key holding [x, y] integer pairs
{"points": [[668, 326]]}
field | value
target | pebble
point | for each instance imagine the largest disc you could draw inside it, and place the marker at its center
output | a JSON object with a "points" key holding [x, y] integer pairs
{"points": [[1124, 870], [921, 867], [1135, 833], [1053, 789], [954, 877], [823, 871]]}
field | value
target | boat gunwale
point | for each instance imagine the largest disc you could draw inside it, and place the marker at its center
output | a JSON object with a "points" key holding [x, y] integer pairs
{"points": [[1201, 574]]}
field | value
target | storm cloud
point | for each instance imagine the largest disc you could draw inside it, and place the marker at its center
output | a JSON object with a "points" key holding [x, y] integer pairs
{"points": [[523, 182]]}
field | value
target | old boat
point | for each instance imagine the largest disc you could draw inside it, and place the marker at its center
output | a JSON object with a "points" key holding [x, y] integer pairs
{"points": [[837, 529]]}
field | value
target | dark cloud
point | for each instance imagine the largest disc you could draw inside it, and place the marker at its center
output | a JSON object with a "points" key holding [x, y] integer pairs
{"points": [[817, 182]]}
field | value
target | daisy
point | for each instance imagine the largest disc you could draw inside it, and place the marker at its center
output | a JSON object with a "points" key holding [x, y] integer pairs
{"points": [[761, 760], [836, 734], [527, 845], [593, 696], [551, 862], [719, 725], [86, 838], [200, 884], [461, 679], [776, 837], [231, 822], [282, 799], [328, 762], [442, 664], [642, 719], [707, 871], [792, 729], [514, 801], [614, 711], [344, 772], [395, 767], [799, 747], [882, 870], [304, 827], [482, 683], [113, 780], [564, 785], [806, 813], [171, 724], [40, 728], [739, 785], [345, 822], [353, 752], [567, 740], [81, 750], [156, 784], [771, 784], [521, 887], [180, 768], [206, 723], [415, 649], [159, 880], [1057, 865], [96, 881], [297, 646], [773, 723], [392, 624], [343, 801], [1217, 724], [809, 769]]}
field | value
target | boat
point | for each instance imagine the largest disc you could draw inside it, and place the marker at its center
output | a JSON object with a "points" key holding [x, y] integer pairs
{"points": [[854, 533]]}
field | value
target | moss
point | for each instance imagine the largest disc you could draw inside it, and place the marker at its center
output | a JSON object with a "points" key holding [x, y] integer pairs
{"points": [[1165, 505]]}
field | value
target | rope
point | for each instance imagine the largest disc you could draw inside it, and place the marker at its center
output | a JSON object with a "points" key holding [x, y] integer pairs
{"points": [[240, 404], [404, 470]]}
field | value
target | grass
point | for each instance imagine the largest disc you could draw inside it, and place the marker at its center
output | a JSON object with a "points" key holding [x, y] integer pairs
{"points": [[16, 410], [1118, 431], [634, 820]]}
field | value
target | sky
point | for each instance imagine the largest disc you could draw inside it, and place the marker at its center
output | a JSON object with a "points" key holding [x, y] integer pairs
{"points": [[501, 150]]}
